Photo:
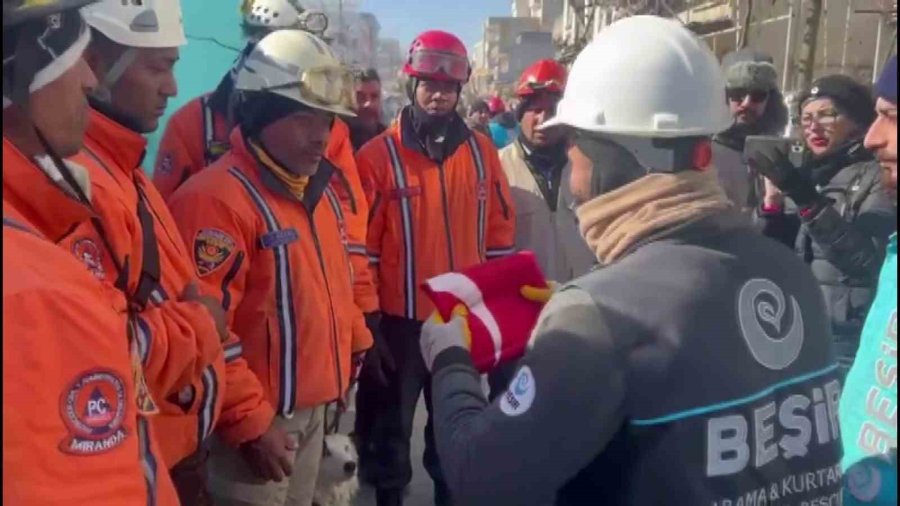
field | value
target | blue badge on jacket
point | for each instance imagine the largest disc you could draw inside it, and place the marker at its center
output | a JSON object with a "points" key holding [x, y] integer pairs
{"points": [[278, 238]]}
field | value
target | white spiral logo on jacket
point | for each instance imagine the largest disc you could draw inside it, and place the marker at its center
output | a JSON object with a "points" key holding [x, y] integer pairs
{"points": [[760, 301]]}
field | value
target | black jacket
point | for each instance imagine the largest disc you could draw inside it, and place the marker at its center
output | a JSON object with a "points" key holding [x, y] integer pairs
{"points": [[844, 244], [694, 371]]}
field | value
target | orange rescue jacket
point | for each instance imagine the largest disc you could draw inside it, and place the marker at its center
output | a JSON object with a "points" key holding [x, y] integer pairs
{"points": [[173, 355], [198, 134], [427, 218], [73, 428], [123, 195], [281, 269]]}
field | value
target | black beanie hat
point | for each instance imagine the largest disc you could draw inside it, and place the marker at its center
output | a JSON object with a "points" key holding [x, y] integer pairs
{"points": [[850, 97], [257, 110]]}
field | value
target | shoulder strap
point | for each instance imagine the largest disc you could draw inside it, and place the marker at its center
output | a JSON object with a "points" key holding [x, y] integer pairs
{"points": [[148, 283], [210, 142]]}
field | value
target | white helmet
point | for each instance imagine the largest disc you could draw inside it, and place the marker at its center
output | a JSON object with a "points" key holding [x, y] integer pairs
{"points": [[282, 14], [147, 23], [645, 76], [300, 66]]}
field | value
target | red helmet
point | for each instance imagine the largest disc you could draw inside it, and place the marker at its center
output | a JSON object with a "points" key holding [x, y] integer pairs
{"points": [[544, 75], [496, 106], [438, 56]]}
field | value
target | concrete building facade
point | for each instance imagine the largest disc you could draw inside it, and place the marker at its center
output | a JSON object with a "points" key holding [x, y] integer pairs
{"points": [[855, 37]]}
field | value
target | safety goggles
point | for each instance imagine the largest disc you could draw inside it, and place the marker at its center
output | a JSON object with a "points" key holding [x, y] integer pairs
{"points": [[439, 65], [739, 94], [552, 86], [824, 118], [327, 86]]}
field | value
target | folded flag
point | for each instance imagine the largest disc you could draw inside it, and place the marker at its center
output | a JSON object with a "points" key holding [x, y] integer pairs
{"points": [[500, 319]]}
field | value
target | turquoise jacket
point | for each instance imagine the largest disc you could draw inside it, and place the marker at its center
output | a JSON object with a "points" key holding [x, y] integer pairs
{"points": [[501, 135], [868, 409]]}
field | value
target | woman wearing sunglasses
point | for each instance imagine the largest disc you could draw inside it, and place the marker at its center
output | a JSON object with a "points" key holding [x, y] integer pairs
{"points": [[832, 209]]}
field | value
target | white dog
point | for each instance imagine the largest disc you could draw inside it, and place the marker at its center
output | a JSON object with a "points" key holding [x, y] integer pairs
{"points": [[337, 484]]}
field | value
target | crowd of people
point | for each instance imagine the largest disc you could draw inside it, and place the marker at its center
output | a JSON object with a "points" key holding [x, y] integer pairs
{"points": [[721, 325]]}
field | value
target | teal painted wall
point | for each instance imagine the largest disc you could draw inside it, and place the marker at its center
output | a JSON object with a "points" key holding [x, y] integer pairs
{"points": [[203, 62]]}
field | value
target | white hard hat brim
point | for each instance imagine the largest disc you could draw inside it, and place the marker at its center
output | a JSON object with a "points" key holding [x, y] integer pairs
{"points": [[663, 134]]}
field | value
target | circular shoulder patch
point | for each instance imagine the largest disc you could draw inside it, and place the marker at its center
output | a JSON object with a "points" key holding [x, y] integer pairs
{"points": [[519, 397], [93, 410]]}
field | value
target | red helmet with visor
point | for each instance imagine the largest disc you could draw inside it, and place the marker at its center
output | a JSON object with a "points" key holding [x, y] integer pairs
{"points": [[438, 56], [544, 75]]}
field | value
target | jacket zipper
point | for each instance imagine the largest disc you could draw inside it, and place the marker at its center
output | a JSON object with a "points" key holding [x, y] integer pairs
{"points": [[337, 360], [446, 207]]}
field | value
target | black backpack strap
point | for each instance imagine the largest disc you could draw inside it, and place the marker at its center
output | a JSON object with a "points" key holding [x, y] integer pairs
{"points": [[148, 282]]}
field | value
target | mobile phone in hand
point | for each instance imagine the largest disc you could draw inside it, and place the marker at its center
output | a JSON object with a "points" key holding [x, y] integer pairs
{"points": [[795, 149]]}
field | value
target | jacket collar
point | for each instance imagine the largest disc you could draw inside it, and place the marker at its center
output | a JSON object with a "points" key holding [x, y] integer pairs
{"points": [[457, 134], [28, 190], [318, 182], [124, 146]]}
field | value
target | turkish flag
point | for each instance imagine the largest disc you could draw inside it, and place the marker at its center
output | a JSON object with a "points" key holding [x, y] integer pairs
{"points": [[500, 318]]}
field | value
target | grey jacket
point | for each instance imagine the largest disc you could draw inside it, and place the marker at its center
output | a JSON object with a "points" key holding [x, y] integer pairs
{"points": [[844, 245], [551, 234], [696, 370]]}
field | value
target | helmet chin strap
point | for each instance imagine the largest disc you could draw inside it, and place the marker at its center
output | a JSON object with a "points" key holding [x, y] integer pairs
{"points": [[103, 92]]}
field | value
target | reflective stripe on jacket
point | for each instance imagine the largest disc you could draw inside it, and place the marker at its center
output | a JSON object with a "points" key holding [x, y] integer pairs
{"points": [[281, 270], [427, 219]]}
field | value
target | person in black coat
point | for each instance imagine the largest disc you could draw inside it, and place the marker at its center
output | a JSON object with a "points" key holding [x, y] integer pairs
{"points": [[832, 210]]}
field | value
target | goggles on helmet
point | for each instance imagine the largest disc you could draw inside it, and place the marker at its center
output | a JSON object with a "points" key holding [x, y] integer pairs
{"points": [[534, 86], [438, 65], [326, 86]]}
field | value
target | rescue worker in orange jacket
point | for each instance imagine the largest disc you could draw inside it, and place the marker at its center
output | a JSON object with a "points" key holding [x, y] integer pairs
{"points": [[75, 426], [268, 236], [198, 134], [145, 239], [439, 202]]}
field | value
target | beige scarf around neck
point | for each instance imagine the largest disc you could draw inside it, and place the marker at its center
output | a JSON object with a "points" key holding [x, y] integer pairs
{"points": [[614, 222]]}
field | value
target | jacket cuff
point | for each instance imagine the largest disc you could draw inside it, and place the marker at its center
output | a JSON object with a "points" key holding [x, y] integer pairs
{"points": [[251, 427], [453, 355]]}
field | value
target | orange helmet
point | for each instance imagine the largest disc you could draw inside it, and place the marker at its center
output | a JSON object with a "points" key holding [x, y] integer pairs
{"points": [[544, 75]]}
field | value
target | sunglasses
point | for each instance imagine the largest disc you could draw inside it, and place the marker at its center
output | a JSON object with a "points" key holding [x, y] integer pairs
{"points": [[739, 94]]}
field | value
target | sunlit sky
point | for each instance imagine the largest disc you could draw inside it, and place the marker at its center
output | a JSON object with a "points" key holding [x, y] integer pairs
{"points": [[404, 19]]}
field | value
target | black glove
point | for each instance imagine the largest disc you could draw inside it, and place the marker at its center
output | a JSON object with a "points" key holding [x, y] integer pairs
{"points": [[773, 163], [379, 360]]}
